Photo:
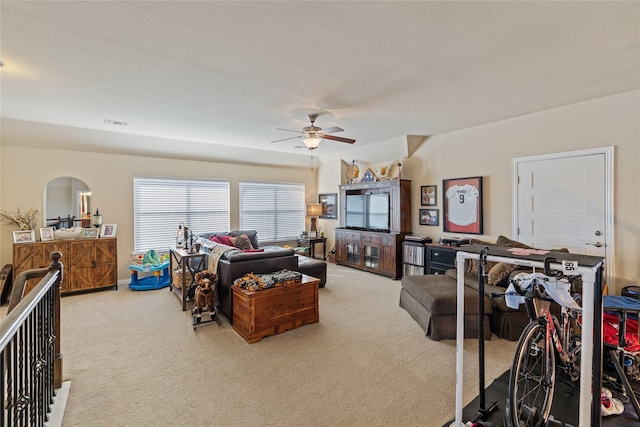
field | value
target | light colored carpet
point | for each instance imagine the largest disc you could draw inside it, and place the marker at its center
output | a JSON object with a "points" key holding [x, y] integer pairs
{"points": [[133, 359]]}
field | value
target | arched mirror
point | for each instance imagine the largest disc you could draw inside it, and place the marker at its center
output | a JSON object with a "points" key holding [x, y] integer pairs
{"points": [[67, 203]]}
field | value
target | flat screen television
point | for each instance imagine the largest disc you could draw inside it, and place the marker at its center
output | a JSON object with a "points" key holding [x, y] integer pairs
{"points": [[368, 211], [356, 207]]}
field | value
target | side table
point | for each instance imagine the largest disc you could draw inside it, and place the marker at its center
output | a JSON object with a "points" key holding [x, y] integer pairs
{"points": [[311, 243], [189, 262]]}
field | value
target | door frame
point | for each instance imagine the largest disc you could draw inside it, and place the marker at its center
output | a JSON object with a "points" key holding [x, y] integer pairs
{"points": [[608, 152]]}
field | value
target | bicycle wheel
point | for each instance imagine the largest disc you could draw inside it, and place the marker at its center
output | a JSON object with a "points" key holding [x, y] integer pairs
{"points": [[532, 379]]}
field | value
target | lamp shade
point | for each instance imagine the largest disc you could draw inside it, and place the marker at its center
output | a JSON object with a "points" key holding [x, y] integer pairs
{"points": [[312, 142], [314, 209]]}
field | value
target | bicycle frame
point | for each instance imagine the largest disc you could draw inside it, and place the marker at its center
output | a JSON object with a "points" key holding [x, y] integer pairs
{"points": [[555, 331], [533, 373]]}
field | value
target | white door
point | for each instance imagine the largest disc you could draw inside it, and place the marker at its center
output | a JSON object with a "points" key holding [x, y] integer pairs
{"points": [[565, 201]]}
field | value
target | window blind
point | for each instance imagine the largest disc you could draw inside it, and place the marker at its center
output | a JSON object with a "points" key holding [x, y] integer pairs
{"points": [[276, 210], [160, 204]]}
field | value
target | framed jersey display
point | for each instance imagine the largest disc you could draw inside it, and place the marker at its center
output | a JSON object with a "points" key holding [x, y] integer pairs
{"points": [[462, 205]]}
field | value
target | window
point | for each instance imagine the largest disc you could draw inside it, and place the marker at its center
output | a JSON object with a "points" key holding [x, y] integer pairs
{"points": [[275, 210], [160, 204]]}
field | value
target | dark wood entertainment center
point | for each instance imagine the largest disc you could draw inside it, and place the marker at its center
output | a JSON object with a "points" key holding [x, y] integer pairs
{"points": [[375, 251]]}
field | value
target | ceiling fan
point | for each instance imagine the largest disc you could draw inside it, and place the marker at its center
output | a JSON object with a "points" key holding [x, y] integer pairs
{"points": [[312, 135]]}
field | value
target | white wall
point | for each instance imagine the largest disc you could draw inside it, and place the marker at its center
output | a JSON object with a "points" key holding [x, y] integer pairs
{"points": [[25, 172], [485, 150], [329, 176], [488, 151]]}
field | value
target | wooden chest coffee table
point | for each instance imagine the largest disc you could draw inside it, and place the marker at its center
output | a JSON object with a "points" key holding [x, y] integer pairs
{"points": [[257, 314]]}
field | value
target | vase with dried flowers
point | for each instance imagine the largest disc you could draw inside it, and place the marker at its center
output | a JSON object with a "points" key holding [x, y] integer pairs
{"points": [[25, 220]]}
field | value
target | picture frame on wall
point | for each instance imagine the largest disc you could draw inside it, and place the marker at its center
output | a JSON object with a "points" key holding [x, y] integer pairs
{"points": [[462, 205], [24, 236], [46, 234], [429, 217], [329, 204], [108, 230], [429, 195]]}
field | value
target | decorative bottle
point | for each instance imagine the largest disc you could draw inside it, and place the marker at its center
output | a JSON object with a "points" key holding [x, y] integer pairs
{"points": [[97, 219], [180, 236]]}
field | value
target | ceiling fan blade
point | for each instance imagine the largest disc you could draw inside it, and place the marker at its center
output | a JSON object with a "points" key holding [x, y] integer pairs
{"points": [[289, 130], [337, 138], [285, 139], [334, 129]]}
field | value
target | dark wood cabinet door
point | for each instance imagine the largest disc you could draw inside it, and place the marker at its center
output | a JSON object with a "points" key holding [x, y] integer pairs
{"points": [[36, 255], [105, 251], [82, 265], [106, 271], [340, 246], [27, 256], [105, 275], [388, 256]]}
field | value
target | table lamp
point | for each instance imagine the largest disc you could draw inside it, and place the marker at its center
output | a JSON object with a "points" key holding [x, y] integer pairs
{"points": [[314, 210]]}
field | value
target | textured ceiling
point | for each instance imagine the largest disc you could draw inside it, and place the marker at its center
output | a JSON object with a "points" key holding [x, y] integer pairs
{"points": [[212, 74]]}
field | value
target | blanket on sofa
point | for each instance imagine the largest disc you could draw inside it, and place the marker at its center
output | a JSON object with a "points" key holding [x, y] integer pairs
{"points": [[217, 252]]}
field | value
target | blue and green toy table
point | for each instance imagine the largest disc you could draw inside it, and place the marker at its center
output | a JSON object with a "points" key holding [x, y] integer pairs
{"points": [[159, 279]]}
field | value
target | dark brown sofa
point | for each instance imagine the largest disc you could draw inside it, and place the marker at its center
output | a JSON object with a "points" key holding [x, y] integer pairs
{"points": [[431, 300], [235, 264]]}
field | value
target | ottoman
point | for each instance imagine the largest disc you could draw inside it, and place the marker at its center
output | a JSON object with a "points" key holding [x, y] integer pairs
{"points": [[313, 267], [431, 301]]}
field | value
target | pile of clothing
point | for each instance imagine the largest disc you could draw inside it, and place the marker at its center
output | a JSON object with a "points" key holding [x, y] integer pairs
{"points": [[259, 282], [622, 311]]}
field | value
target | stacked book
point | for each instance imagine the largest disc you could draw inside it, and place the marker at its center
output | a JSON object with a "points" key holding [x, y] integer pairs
{"points": [[454, 241], [418, 239]]}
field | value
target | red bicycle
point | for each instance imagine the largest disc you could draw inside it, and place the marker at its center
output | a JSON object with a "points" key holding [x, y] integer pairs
{"points": [[533, 372]]}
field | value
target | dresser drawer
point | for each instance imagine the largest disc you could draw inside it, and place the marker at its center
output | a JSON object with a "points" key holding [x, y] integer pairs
{"points": [[388, 240], [440, 259], [442, 256], [351, 236], [371, 238]]}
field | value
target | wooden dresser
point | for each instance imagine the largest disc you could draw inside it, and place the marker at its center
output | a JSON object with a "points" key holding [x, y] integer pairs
{"points": [[88, 263], [367, 250]]}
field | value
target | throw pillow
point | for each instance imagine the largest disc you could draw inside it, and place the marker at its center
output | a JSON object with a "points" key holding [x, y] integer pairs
{"points": [[225, 240], [473, 266], [241, 242], [505, 241], [222, 239], [500, 272]]}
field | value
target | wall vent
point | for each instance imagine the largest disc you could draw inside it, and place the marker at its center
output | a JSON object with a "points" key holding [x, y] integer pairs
{"points": [[115, 122]]}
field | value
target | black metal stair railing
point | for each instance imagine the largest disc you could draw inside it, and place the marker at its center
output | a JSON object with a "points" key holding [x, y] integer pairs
{"points": [[30, 359]]}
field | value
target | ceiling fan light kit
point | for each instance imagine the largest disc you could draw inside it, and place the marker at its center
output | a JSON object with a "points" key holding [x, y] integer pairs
{"points": [[312, 142], [313, 135]]}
